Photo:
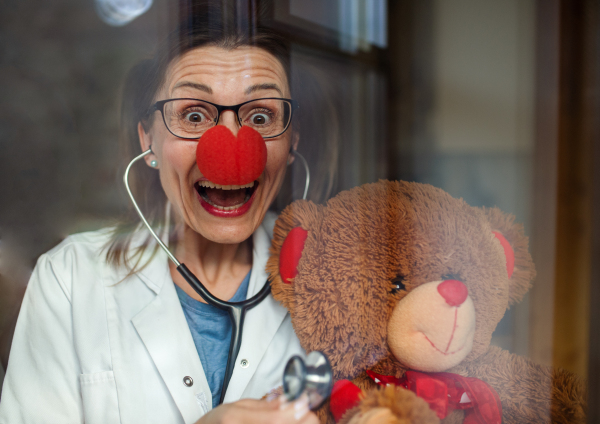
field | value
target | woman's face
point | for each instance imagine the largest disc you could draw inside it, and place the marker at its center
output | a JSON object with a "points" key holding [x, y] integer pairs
{"points": [[225, 77]]}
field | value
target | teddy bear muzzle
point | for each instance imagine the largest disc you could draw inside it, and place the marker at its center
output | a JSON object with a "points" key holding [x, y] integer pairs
{"points": [[432, 328]]}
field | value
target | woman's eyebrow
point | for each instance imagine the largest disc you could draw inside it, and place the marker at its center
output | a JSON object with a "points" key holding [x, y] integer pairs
{"points": [[195, 85], [265, 86]]}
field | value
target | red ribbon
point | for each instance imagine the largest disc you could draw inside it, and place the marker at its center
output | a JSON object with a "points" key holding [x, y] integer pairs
{"points": [[445, 392]]}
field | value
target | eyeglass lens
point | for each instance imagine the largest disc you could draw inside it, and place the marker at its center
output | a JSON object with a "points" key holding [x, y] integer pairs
{"points": [[188, 118]]}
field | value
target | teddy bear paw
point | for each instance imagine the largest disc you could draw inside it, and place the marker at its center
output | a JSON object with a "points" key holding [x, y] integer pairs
{"points": [[374, 416], [391, 405]]}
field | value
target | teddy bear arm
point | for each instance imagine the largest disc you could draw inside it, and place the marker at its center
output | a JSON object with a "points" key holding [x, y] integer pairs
{"points": [[529, 392], [373, 416], [569, 397], [324, 415]]}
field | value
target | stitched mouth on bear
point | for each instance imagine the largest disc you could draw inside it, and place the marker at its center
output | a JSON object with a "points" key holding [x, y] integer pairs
{"points": [[225, 197], [454, 327], [445, 353]]}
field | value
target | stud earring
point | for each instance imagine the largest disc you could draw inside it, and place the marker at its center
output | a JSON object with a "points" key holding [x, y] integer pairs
{"points": [[153, 163]]}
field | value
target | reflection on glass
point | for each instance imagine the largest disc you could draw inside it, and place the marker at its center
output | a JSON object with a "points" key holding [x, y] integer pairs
{"points": [[121, 12], [358, 24]]}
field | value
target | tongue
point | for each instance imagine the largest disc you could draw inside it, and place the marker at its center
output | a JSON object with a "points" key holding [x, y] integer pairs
{"points": [[226, 198]]}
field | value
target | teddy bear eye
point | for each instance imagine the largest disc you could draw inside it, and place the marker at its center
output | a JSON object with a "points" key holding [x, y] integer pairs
{"points": [[398, 284]]}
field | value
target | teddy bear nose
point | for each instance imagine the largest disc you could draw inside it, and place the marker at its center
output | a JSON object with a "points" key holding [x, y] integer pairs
{"points": [[454, 292]]}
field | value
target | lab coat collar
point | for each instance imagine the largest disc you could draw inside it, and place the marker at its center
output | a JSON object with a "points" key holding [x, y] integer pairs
{"points": [[156, 272], [156, 269], [261, 241]]}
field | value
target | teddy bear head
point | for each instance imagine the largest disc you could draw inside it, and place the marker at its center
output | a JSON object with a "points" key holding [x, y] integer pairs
{"points": [[397, 275]]}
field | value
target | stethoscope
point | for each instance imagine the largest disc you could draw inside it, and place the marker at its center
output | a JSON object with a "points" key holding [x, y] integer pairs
{"points": [[236, 310]]}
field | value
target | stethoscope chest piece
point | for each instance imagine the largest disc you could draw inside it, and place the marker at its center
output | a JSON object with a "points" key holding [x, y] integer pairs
{"points": [[312, 376]]}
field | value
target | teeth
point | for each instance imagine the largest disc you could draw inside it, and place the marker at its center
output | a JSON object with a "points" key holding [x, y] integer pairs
{"points": [[228, 208], [224, 187], [225, 208]]}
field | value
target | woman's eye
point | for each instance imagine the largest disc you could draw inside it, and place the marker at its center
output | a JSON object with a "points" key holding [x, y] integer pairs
{"points": [[194, 117], [259, 119]]}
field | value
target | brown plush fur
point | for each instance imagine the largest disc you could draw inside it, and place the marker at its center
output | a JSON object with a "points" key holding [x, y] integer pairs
{"points": [[363, 239], [404, 405], [530, 393]]}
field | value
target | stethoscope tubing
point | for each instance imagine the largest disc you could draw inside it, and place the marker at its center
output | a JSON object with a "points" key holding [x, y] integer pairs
{"points": [[235, 310]]}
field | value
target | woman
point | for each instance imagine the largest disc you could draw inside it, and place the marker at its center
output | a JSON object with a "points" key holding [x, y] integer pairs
{"points": [[108, 331]]}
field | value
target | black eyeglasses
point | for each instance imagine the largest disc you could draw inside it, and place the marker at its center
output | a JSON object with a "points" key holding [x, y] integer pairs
{"points": [[190, 118]]}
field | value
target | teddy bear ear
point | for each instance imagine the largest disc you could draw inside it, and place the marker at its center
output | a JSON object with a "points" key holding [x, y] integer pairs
{"points": [[290, 238], [519, 264], [509, 252]]}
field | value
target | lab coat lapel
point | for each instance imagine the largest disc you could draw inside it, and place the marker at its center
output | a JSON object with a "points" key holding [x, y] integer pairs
{"points": [[165, 333], [262, 322], [163, 328]]}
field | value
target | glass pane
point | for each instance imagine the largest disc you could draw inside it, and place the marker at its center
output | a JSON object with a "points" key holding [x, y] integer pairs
{"points": [[426, 203]]}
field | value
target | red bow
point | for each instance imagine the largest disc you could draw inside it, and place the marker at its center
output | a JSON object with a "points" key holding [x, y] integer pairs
{"points": [[445, 391]]}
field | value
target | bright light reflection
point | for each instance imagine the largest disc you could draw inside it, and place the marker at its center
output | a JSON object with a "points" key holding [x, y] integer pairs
{"points": [[121, 12]]}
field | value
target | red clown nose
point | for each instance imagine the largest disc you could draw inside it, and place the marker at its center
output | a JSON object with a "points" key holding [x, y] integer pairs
{"points": [[226, 159]]}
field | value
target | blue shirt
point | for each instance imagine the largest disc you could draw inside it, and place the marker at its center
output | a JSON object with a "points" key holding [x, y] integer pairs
{"points": [[211, 331]]}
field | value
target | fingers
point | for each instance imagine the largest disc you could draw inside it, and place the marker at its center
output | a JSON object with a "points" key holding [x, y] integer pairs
{"points": [[296, 409], [309, 418], [250, 404], [275, 393]]}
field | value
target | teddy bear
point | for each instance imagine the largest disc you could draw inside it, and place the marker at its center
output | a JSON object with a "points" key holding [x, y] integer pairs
{"points": [[401, 286]]}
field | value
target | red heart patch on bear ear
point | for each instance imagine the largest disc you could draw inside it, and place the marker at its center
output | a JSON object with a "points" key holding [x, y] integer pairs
{"points": [[291, 252], [226, 159], [508, 252]]}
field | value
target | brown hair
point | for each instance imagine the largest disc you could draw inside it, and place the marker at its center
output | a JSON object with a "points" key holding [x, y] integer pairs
{"points": [[210, 25]]}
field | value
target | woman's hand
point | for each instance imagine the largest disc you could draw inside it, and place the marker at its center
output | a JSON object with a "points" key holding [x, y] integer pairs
{"points": [[261, 411]]}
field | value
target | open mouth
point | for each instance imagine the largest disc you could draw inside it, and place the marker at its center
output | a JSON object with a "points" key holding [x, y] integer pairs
{"points": [[225, 198]]}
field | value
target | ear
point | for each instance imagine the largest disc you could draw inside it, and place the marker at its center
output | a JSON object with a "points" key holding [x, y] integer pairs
{"points": [[512, 238], [293, 147], [145, 142], [295, 233]]}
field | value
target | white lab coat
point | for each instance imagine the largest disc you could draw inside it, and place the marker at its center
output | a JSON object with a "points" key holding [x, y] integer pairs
{"points": [[91, 348]]}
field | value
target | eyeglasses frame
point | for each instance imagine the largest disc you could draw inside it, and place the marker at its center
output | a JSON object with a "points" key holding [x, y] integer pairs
{"points": [[159, 105]]}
